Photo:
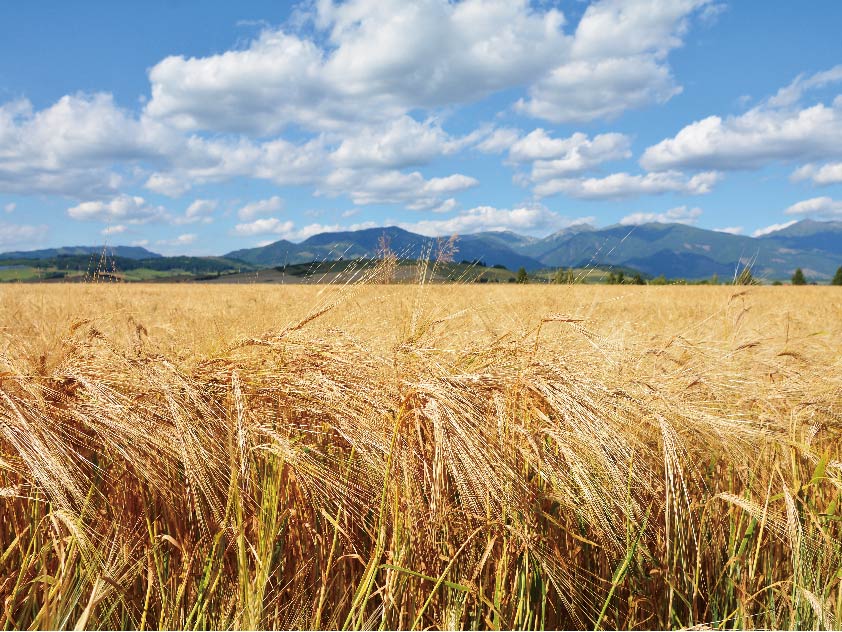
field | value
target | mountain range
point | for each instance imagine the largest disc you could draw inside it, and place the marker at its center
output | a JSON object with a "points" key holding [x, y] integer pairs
{"points": [[673, 250]]}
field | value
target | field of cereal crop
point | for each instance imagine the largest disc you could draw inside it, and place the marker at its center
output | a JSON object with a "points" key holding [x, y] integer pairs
{"points": [[420, 456]]}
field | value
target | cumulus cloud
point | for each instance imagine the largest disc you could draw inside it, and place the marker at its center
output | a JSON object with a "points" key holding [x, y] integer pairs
{"points": [[791, 94], [182, 240], [772, 228], [260, 207], [395, 187], [818, 206], [19, 236], [373, 60], [168, 185], [616, 62], [116, 229], [449, 205], [677, 215], [523, 219], [123, 208], [775, 130], [381, 59], [585, 90], [560, 157], [353, 80], [70, 147], [198, 211], [498, 140], [10, 207], [264, 226], [403, 142], [822, 175], [624, 185], [362, 83]]}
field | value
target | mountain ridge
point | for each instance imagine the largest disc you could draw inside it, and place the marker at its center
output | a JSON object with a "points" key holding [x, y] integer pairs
{"points": [[670, 249]]}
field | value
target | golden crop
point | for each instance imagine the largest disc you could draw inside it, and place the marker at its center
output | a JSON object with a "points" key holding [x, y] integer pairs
{"points": [[372, 456]]}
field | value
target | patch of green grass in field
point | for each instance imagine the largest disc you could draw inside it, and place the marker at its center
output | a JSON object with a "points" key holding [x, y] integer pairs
{"points": [[18, 274]]}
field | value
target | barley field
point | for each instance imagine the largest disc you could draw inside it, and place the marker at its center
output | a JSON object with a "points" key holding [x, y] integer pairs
{"points": [[429, 456]]}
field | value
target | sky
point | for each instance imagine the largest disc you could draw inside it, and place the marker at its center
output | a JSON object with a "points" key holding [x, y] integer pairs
{"points": [[205, 127]]}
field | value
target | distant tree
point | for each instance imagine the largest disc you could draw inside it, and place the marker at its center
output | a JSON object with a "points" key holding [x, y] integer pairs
{"points": [[621, 278], [798, 278], [638, 280], [714, 280], [659, 280], [776, 282], [837, 278], [522, 276], [564, 276]]}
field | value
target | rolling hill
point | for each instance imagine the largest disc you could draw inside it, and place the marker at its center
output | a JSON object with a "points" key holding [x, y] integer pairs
{"points": [[127, 252]]}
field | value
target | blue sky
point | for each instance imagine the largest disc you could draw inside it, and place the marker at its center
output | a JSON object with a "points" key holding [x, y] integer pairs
{"points": [[200, 128]]}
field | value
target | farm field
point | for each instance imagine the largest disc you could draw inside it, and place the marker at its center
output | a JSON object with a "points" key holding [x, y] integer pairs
{"points": [[420, 456]]}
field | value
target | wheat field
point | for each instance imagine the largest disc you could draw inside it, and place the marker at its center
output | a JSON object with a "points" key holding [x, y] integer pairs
{"points": [[429, 456]]}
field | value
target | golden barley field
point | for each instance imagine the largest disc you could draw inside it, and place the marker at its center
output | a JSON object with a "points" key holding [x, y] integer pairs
{"points": [[428, 456]]}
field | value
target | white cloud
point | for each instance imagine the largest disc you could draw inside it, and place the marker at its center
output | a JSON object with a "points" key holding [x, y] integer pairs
{"points": [[354, 80], [402, 142], [168, 185], [70, 147], [395, 187], [198, 211], [447, 206], [380, 60], [264, 226], [624, 185], [279, 161], [498, 140], [775, 130], [20, 236], [791, 94], [771, 229], [677, 215], [123, 208], [116, 229], [818, 206], [616, 62], [585, 90], [561, 157], [524, 219], [182, 240], [731, 230], [538, 145], [824, 175], [370, 61], [10, 207], [260, 207]]}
